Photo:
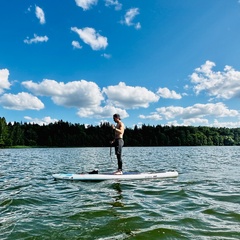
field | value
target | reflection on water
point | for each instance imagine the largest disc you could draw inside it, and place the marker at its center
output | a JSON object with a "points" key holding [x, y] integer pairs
{"points": [[118, 197]]}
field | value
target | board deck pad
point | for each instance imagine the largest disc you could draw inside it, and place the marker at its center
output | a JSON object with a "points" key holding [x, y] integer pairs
{"points": [[112, 176]]}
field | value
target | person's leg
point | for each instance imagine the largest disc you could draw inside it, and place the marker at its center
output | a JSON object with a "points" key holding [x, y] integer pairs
{"points": [[119, 153], [119, 158]]}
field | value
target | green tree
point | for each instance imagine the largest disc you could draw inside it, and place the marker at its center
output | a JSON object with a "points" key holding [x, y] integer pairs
{"points": [[17, 134], [4, 140]]}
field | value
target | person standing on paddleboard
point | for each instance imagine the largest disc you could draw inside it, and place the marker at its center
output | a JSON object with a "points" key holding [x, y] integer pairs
{"points": [[118, 141]]}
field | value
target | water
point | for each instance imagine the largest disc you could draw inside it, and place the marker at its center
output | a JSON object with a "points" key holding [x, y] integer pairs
{"points": [[202, 203]]}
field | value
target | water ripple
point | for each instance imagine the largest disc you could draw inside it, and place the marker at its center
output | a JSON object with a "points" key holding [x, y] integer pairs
{"points": [[202, 203]]}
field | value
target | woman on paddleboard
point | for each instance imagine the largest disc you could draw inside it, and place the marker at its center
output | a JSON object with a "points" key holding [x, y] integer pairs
{"points": [[118, 141]]}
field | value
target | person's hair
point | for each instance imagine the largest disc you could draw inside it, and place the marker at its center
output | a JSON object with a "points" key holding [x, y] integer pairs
{"points": [[117, 116]]}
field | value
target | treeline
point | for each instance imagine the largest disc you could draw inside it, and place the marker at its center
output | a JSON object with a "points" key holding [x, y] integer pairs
{"points": [[65, 134]]}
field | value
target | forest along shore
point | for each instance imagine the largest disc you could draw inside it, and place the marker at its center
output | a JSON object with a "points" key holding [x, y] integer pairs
{"points": [[65, 134]]}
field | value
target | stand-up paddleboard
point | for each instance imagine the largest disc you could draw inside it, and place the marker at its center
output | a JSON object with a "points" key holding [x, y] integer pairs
{"points": [[111, 176]]}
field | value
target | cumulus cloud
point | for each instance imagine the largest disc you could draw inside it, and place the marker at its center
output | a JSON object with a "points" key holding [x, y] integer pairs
{"points": [[166, 93], [40, 14], [42, 121], [21, 101], [85, 96], [196, 111], [130, 97], [91, 37], [225, 84], [77, 94], [86, 4], [224, 124], [129, 17], [4, 82], [153, 116], [115, 3], [194, 121], [76, 44], [102, 112], [204, 122], [36, 39], [189, 122]]}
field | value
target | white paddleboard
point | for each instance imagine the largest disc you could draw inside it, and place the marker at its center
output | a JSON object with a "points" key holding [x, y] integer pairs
{"points": [[111, 176]]}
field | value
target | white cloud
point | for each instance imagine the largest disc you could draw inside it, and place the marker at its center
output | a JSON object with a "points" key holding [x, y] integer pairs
{"points": [[224, 124], [189, 122], [130, 97], [86, 4], [138, 25], [224, 84], [79, 94], [204, 122], [152, 116], [43, 121], [40, 15], [195, 121], [85, 96], [76, 44], [88, 98], [105, 55], [118, 6], [21, 101], [102, 112], [36, 39], [129, 17], [91, 37], [197, 111], [4, 82], [166, 93]]}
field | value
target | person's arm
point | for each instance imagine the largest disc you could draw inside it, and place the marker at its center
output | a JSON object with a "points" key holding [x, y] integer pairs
{"points": [[119, 130]]}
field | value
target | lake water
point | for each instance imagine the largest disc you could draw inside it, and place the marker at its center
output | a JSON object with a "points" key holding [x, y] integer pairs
{"points": [[202, 203]]}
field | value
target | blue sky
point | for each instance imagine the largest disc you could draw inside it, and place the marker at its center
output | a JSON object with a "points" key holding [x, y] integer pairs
{"points": [[168, 62]]}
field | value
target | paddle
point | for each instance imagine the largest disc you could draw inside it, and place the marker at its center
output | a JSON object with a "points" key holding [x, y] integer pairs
{"points": [[111, 143]]}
